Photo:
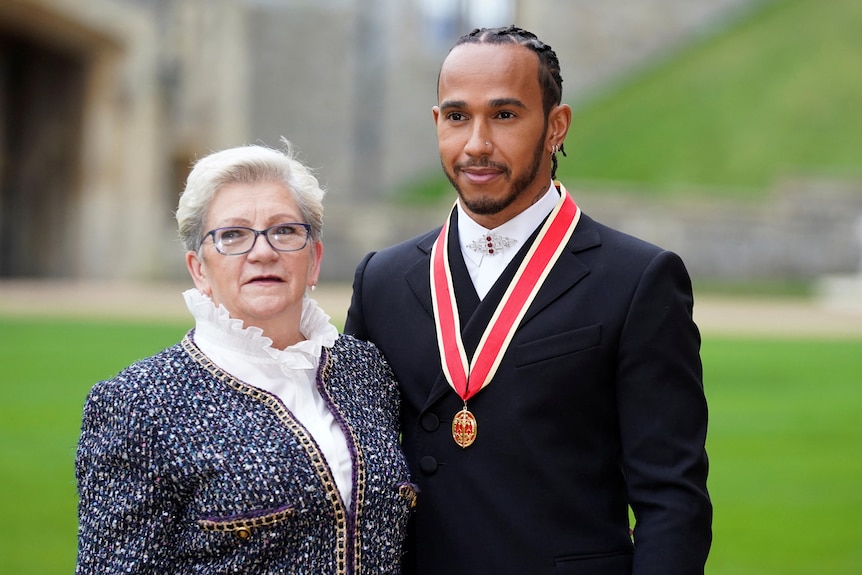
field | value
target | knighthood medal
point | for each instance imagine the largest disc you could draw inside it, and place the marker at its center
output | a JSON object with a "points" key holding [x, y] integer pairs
{"points": [[467, 378], [464, 427]]}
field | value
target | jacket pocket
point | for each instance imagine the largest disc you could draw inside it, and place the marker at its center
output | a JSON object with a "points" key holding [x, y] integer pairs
{"points": [[244, 525], [558, 345], [619, 563]]}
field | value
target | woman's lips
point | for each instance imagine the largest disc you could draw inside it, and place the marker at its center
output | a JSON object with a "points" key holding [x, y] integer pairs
{"points": [[265, 279]]}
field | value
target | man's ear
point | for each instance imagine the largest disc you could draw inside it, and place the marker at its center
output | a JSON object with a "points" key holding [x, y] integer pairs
{"points": [[559, 120]]}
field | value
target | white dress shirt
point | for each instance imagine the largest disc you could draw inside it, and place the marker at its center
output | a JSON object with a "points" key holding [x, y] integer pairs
{"points": [[486, 269], [289, 373]]}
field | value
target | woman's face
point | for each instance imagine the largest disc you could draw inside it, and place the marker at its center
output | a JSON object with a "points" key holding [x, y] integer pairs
{"points": [[263, 287]]}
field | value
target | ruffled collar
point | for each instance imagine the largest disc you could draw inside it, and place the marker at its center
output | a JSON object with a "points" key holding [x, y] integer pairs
{"points": [[214, 325]]}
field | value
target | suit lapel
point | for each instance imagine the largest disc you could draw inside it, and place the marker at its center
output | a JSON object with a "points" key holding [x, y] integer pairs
{"points": [[418, 277], [569, 269]]}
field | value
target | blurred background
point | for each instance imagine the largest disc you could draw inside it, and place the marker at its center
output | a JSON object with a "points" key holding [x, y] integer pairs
{"points": [[726, 130]]}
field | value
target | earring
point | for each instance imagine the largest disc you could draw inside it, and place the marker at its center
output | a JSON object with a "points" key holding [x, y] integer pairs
{"points": [[313, 287]]}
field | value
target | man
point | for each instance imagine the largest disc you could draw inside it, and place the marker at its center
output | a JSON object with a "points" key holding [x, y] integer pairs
{"points": [[549, 366]]}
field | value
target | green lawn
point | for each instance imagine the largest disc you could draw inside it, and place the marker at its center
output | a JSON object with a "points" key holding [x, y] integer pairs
{"points": [[46, 369], [784, 444], [784, 447]]}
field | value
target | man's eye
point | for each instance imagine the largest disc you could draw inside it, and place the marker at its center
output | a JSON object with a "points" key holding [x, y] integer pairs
{"points": [[505, 115], [455, 116]]}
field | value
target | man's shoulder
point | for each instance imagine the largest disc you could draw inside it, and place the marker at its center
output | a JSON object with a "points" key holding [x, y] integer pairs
{"points": [[416, 247], [612, 238]]}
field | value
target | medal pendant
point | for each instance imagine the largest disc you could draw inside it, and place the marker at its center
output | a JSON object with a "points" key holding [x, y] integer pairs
{"points": [[464, 428]]}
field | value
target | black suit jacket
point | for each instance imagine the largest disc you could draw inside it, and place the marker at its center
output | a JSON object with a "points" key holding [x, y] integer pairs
{"points": [[597, 405]]}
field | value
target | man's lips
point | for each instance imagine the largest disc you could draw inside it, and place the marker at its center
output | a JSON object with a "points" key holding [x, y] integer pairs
{"points": [[480, 176]]}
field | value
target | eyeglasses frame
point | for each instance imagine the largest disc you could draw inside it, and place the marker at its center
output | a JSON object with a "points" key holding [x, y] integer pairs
{"points": [[264, 232]]}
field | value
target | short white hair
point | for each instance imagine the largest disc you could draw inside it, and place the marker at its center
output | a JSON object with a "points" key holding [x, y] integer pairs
{"points": [[247, 165]]}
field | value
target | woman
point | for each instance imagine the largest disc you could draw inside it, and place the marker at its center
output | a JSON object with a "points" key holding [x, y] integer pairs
{"points": [[263, 442]]}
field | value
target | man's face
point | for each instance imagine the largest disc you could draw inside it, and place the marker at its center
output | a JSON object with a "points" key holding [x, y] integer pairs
{"points": [[492, 130]]}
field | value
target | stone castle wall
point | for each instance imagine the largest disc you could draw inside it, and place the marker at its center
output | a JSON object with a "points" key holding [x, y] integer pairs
{"points": [[351, 83], [804, 229]]}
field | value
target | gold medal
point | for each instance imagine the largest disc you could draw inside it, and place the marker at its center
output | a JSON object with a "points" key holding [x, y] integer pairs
{"points": [[464, 428]]}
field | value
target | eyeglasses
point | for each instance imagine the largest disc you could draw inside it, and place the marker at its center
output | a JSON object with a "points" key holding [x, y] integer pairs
{"points": [[238, 240]]}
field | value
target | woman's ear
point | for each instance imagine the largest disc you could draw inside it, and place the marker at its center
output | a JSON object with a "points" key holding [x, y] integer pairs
{"points": [[195, 265], [314, 263]]}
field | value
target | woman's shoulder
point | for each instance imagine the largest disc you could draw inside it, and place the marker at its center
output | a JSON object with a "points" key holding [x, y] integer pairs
{"points": [[347, 342], [350, 354], [349, 349], [357, 375], [143, 375]]}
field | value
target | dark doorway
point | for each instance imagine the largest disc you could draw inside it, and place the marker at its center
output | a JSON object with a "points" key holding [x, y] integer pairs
{"points": [[42, 92]]}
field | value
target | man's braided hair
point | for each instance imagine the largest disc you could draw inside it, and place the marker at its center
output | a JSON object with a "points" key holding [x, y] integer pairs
{"points": [[550, 79]]}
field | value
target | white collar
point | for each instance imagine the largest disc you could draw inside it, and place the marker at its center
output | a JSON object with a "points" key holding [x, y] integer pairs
{"points": [[519, 228], [215, 326]]}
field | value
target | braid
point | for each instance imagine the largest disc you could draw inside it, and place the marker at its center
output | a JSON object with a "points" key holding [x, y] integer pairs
{"points": [[550, 79], [554, 161]]}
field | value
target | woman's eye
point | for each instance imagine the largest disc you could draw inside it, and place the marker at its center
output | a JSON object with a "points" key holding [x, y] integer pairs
{"points": [[231, 235], [285, 230]]}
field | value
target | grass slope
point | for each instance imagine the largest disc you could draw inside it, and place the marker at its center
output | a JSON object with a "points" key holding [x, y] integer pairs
{"points": [[775, 94]]}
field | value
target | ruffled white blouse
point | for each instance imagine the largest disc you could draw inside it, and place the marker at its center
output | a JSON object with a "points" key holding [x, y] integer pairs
{"points": [[288, 373]]}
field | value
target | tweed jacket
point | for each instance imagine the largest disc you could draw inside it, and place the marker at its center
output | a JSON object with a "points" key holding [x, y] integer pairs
{"points": [[182, 468], [597, 406]]}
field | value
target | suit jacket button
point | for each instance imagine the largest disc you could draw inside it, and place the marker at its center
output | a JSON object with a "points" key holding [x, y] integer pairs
{"points": [[428, 465], [430, 422], [243, 533]]}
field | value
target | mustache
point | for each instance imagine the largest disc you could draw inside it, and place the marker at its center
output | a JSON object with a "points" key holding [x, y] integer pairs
{"points": [[482, 162]]}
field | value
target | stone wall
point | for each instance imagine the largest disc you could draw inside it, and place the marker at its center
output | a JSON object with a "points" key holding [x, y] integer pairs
{"points": [[804, 229], [352, 82]]}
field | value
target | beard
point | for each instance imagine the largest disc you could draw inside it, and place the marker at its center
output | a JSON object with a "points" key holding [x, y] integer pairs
{"points": [[487, 206]]}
